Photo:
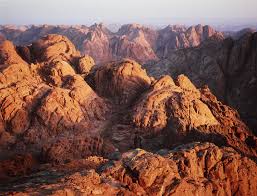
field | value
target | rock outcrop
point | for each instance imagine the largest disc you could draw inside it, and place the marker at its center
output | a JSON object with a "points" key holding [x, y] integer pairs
{"points": [[9, 54], [184, 113], [97, 43], [54, 46], [202, 169], [66, 149], [166, 102], [122, 81], [67, 127], [46, 99], [85, 64], [228, 67], [136, 42]]}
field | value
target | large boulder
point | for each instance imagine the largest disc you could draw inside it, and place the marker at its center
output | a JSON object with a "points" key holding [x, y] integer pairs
{"points": [[74, 107], [121, 81], [85, 64], [52, 47]]}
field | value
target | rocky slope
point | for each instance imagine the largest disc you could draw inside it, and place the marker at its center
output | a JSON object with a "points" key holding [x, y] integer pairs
{"points": [[46, 98], [133, 41], [67, 127], [202, 169], [228, 67]]}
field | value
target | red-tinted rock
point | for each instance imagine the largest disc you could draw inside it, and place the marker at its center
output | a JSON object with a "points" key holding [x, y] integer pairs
{"points": [[121, 81], [8, 54], [53, 47]]}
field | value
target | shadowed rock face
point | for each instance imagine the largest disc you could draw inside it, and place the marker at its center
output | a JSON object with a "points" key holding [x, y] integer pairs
{"points": [[70, 127], [173, 37], [227, 67], [122, 81]]}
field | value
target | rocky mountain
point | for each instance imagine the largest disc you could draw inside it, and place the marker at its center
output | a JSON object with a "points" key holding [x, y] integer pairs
{"points": [[133, 41], [228, 67], [239, 34], [68, 127], [176, 37], [136, 42]]}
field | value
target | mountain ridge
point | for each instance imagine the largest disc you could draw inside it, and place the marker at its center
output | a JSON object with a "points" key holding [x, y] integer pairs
{"points": [[104, 45]]}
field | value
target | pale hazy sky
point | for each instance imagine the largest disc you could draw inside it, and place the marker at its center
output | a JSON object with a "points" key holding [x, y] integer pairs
{"points": [[123, 11]]}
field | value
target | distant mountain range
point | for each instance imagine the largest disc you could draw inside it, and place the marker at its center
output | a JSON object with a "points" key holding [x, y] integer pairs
{"points": [[134, 41]]}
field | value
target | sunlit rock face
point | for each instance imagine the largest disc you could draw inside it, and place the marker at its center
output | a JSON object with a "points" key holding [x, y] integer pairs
{"points": [[46, 98], [112, 129], [227, 66]]}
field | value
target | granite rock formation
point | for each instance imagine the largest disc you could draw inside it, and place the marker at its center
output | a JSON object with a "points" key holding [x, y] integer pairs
{"points": [[67, 128], [46, 98], [202, 169], [228, 67], [123, 81]]}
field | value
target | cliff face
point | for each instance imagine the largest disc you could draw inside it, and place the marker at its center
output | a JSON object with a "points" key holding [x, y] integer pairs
{"points": [[133, 41], [175, 37], [228, 67], [72, 125]]}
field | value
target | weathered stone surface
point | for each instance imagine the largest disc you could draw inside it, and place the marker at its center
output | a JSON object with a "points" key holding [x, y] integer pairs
{"points": [[177, 37], [97, 42], [228, 67], [17, 166], [40, 101], [52, 122], [195, 168], [183, 113], [52, 47], [8, 54], [85, 64], [165, 103], [134, 41], [66, 149], [122, 81]]}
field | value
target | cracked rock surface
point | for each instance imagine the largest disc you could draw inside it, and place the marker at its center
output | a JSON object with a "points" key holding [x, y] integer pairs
{"points": [[70, 128]]}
